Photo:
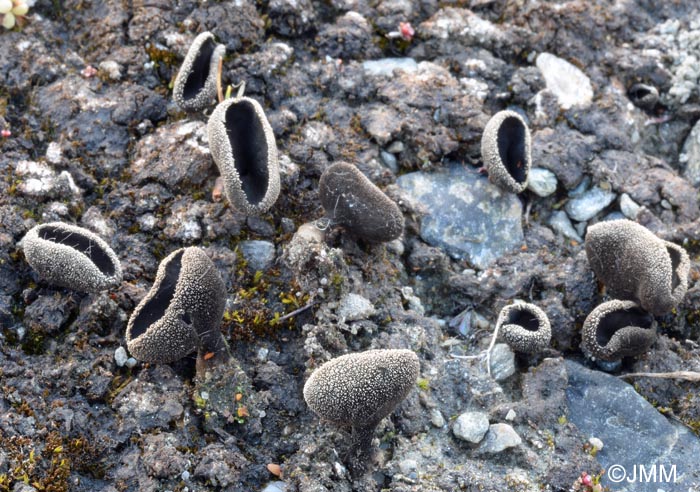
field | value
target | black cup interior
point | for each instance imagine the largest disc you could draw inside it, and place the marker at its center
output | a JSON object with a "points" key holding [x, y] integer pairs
{"points": [[155, 308], [199, 73], [80, 243], [511, 148], [675, 263], [523, 317], [249, 145], [615, 320]]}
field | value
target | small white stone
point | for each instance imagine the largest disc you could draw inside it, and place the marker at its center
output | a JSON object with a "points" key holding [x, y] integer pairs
{"points": [[571, 86], [262, 354], [354, 307], [510, 416], [204, 395], [131, 362], [53, 153], [408, 466], [386, 66], [436, 418], [120, 356], [112, 69], [185, 475], [502, 362], [596, 443], [589, 204]]}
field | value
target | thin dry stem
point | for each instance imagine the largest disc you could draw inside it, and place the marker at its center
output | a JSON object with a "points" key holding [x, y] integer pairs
{"points": [[219, 88], [684, 375]]}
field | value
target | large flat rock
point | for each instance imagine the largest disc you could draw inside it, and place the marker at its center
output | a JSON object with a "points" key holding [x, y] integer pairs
{"points": [[633, 432], [468, 216]]}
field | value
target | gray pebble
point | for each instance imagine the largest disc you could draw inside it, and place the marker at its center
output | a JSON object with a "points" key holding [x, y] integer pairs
{"points": [[502, 362], [396, 147], [389, 161], [560, 222], [471, 426], [628, 207], [542, 182], [499, 438], [589, 204], [436, 418], [258, 254]]}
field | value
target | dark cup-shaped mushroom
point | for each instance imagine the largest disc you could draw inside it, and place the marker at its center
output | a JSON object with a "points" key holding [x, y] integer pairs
{"points": [[73, 257], [350, 199], [195, 85], [524, 327], [181, 313], [643, 96], [243, 147], [505, 150], [359, 390], [636, 265], [618, 329]]}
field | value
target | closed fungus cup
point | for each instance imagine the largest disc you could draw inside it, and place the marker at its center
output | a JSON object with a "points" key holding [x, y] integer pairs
{"points": [[618, 329], [181, 313], [359, 390], [243, 146], [524, 327], [195, 84], [73, 257], [351, 200], [636, 265], [506, 150], [643, 96]]}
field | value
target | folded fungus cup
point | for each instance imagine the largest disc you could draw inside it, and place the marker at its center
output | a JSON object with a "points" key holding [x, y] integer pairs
{"points": [[617, 329], [70, 256], [181, 313], [195, 84], [636, 265]]}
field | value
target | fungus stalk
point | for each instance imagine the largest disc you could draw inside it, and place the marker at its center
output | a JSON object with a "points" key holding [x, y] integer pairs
{"points": [[360, 452]]}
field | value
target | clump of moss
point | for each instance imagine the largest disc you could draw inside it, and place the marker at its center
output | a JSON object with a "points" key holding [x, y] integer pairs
{"points": [[47, 466], [262, 302]]}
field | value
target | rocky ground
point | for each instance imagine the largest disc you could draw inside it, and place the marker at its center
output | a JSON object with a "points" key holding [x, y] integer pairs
{"points": [[96, 140]]}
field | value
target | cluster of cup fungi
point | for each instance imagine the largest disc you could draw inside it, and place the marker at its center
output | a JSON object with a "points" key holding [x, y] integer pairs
{"points": [[182, 311]]}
